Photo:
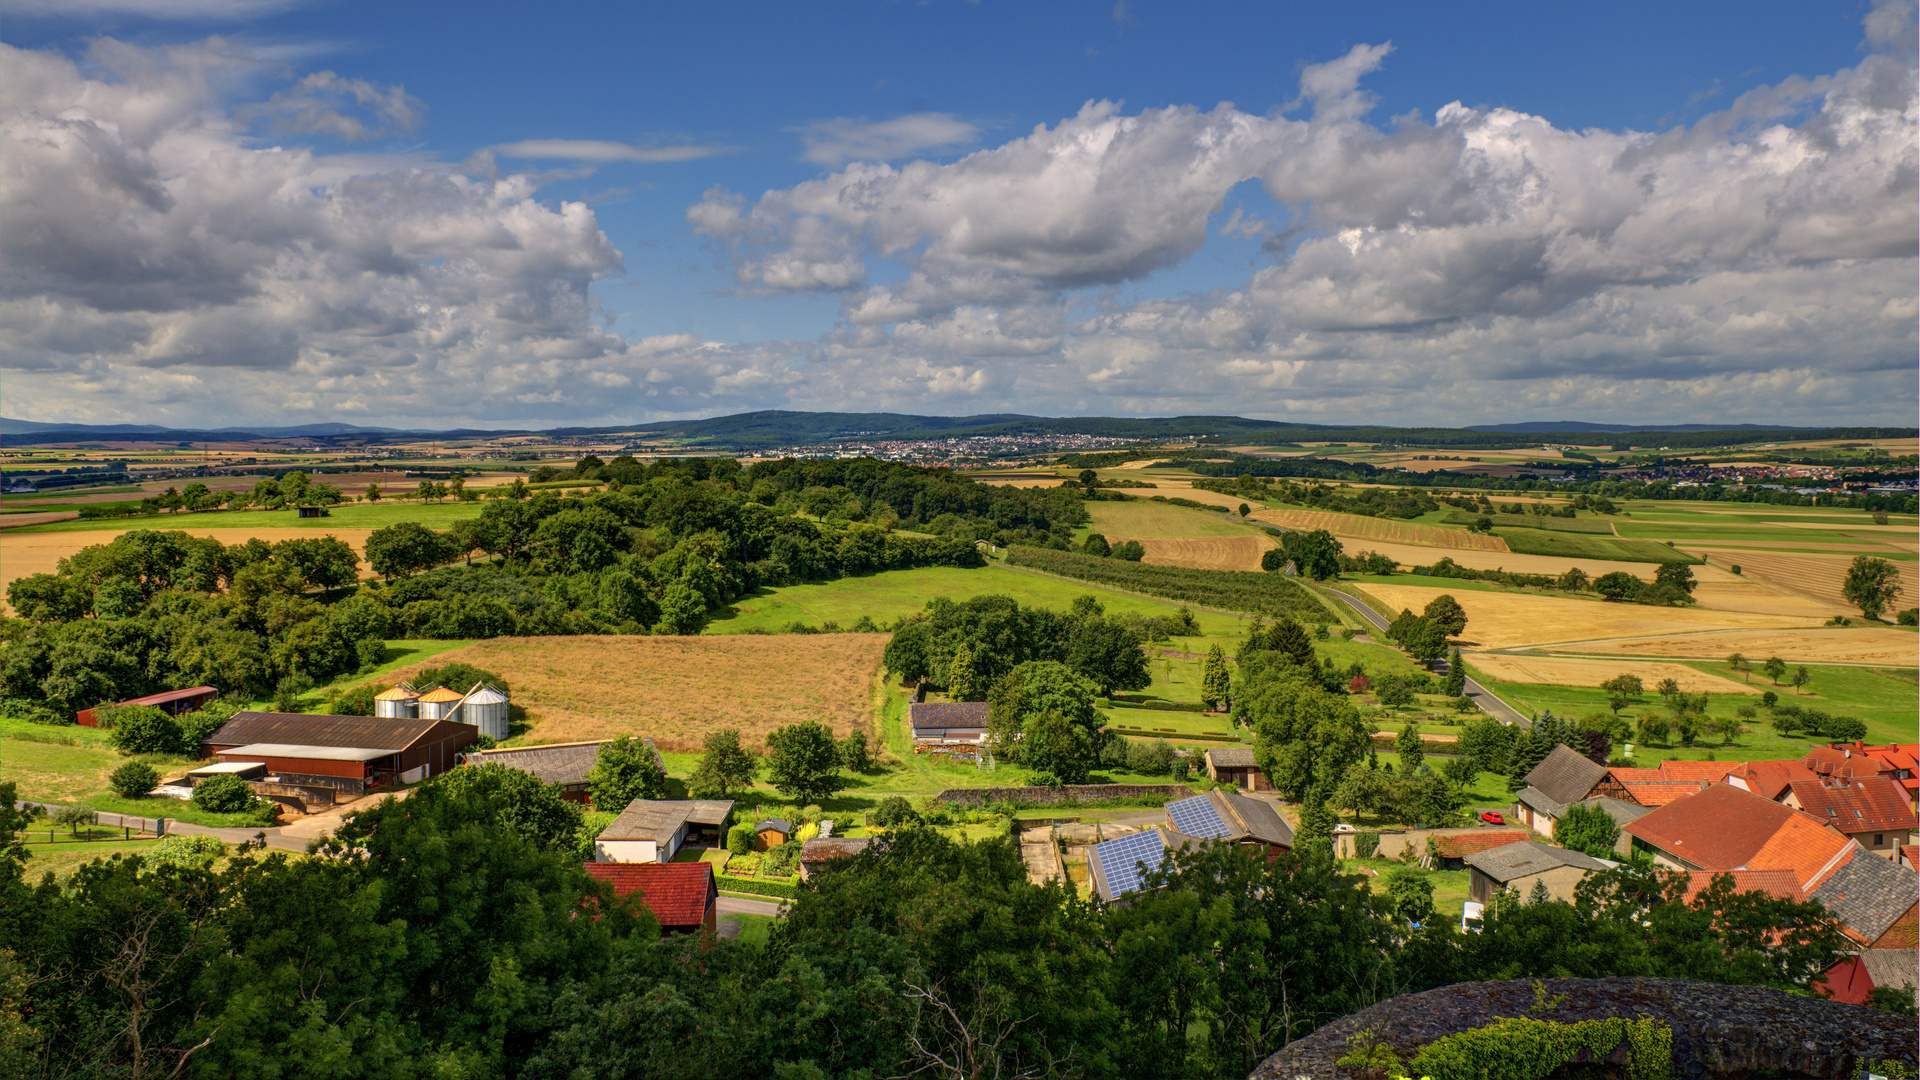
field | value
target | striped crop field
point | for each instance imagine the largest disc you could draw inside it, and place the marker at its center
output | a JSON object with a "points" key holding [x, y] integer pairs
{"points": [[1385, 530], [1817, 575]]}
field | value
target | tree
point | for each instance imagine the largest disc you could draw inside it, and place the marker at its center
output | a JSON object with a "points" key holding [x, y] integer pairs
{"points": [[725, 766], [1129, 551], [1245, 510], [1617, 586], [1058, 750], [373, 492], [1801, 677], [1872, 585], [1096, 544], [1446, 613], [1574, 580], [1741, 664], [223, 794], [1622, 690], [519, 803], [854, 753], [142, 729], [1315, 554], [962, 680], [1216, 681], [893, 812], [1456, 681], [626, 769], [1425, 639], [404, 549], [134, 780], [1653, 728], [1107, 652], [1774, 668], [1587, 828], [1675, 575], [803, 762], [1410, 891], [1407, 745]]}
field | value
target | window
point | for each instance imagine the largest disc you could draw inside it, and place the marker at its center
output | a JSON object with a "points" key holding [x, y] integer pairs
{"points": [[1879, 839]]}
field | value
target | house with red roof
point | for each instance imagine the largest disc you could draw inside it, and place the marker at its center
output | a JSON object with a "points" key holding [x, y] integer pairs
{"points": [[1874, 900], [1725, 828], [1899, 762], [1873, 810], [682, 896], [1768, 779]]}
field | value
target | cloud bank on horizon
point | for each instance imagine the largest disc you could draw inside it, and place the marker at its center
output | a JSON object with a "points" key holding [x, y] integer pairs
{"points": [[173, 257]]}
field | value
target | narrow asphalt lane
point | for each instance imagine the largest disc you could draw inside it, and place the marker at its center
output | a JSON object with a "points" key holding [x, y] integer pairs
{"points": [[733, 905], [1481, 696]]}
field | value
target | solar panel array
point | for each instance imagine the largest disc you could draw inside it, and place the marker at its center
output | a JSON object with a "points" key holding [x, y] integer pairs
{"points": [[1120, 859], [1197, 818]]}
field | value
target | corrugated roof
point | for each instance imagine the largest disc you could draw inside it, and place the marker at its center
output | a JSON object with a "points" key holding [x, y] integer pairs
{"points": [[1566, 776], [559, 763], [314, 753], [482, 694], [947, 714], [1232, 757], [1509, 862], [678, 894], [1868, 894], [166, 696], [395, 693], [313, 729], [649, 819], [442, 694], [1863, 804]]}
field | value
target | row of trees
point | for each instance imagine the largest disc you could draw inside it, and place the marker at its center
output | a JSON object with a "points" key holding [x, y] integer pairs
{"points": [[443, 936]]}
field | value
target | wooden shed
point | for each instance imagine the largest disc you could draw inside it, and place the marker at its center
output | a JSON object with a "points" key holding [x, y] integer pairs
{"points": [[771, 833], [1235, 765]]}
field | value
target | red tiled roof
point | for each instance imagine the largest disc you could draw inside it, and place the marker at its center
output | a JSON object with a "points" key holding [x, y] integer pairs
{"points": [[1777, 883], [1864, 804], [1720, 828], [1768, 779], [1656, 793], [1634, 775], [678, 893], [1843, 760], [1461, 845], [1804, 846], [1845, 981], [1910, 855]]}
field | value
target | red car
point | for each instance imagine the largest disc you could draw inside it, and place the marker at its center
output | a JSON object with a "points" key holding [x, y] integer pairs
{"points": [[1491, 818]]}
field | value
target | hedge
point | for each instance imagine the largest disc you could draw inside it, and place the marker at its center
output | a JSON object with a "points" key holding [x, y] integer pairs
{"points": [[1516, 1048], [729, 883], [1230, 590]]}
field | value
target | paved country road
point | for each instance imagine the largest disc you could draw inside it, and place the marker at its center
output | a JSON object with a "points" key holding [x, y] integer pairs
{"points": [[1481, 696]]}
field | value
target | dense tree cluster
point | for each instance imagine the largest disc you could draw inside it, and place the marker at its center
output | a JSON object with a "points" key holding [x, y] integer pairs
{"points": [[455, 934]]}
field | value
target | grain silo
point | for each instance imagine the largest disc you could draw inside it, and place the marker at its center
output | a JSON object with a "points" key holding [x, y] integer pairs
{"points": [[397, 703], [440, 704], [486, 709]]}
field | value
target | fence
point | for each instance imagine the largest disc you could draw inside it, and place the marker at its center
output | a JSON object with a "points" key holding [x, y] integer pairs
{"points": [[156, 826], [1072, 793]]}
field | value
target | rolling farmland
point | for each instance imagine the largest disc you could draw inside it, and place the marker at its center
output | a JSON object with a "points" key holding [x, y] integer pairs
{"points": [[1213, 553], [1515, 620], [1878, 645], [1388, 530], [1182, 536], [1812, 574], [1583, 671]]}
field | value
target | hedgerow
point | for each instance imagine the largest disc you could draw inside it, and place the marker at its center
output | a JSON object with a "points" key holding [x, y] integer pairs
{"points": [[1232, 590]]}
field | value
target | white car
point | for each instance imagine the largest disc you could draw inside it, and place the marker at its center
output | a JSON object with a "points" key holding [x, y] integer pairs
{"points": [[1472, 915]]}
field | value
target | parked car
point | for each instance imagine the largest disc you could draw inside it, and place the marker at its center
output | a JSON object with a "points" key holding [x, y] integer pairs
{"points": [[1488, 817], [1472, 916]]}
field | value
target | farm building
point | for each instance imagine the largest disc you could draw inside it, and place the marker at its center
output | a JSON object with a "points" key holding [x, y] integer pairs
{"points": [[1526, 865], [566, 764], [1221, 815], [1874, 902], [1871, 810], [345, 753], [439, 703], [682, 896], [396, 703], [171, 702], [1235, 765], [821, 853], [1118, 865], [948, 726], [482, 706], [1562, 778], [1665, 782], [654, 830], [771, 833]]}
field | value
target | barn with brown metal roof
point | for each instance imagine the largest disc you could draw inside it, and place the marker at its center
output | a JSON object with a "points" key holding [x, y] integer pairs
{"points": [[346, 753]]}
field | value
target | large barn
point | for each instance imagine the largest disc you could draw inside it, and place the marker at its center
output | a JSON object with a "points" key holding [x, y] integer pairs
{"points": [[349, 754]]}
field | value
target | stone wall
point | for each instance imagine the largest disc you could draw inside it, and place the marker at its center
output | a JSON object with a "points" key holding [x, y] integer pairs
{"points": [[1072, 793], [1718, 1030]]}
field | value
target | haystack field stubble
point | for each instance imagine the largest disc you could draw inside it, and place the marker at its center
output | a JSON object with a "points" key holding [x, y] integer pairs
{"points": [[677, 689], [1514, 620]]}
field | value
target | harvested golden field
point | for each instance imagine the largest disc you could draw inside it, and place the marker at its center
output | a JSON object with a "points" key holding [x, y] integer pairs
{"points": [[1145, 519], [677, 689], [1816, 575], [1213, 553], [1882, 646], [1414, 555], [45, 517], [1737, 594], [1185, 490], [23, 554], [1519, 620], [1386, 530], [1580, 671]]}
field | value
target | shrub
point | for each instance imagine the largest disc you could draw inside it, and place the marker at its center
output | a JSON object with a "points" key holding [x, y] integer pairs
{"points": [[142, 729], [1908, 617], [223, 794], [806, 832], [73, 817], [1129, 551], [1152, 757], [740, 839], [894, 811], [183, 850], [729, 883], [1518, 1048], [134, 780]]}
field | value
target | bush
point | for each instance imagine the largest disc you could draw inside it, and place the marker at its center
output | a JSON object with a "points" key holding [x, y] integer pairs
{"points": [[184, 850], [223, 794], [729, 883], [1150, 757], [142, 729], [894, 811], [740, 839], [1129, 551], [33, 712], [134, 780], [1518, 1048], [1908, 617]]}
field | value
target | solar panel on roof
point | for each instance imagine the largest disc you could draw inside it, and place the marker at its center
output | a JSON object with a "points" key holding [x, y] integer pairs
{"points": [[1197, 817], [1121, 859]]}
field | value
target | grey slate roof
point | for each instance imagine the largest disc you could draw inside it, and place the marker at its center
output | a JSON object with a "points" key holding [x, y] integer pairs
{"points": [[1620, 812], [1509, 862], [1257, 818], [1895, 968], [1539, 802], [1566, 776], [659, 819], [782, 824], [1868, 894], [561, 763], [1232, 757]]}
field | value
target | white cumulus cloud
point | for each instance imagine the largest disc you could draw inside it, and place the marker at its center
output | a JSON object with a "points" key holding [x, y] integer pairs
{"points": [[835, 142]]}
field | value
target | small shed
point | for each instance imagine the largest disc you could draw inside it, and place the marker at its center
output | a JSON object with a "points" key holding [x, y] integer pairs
{"points": [[311, 511], [771, 833], [683, 897], [1235, 765], [653, 830], [820, 854], [1524, 865], [949, 726]]}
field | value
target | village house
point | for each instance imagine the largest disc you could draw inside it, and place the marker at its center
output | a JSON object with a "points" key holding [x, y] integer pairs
{"points": [[1874, 900], [1235, 766], [654, 830], [683, 897], [1768, 779], [1562, 778], [1528, 865], [1872, 810], [1725, 828], [1894, 761]]}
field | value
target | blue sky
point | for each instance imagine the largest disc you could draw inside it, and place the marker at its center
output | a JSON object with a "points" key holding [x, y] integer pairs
{"points": [[716, 206]]}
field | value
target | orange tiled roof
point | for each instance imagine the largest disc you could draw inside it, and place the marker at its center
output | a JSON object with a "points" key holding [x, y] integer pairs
{"points": [[1843, 760], [1769, 779], [1658, 793], [1910, 854], [1721, 828], [1864, 804], [1779, 883], [395, 693], [678, 893]]}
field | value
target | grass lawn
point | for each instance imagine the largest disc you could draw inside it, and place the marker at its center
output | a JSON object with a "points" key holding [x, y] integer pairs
{"points": [[1584, 546], [1449, 886], [62, 859], [754, 929], [352, 516], [887, 596], [70, 765]]}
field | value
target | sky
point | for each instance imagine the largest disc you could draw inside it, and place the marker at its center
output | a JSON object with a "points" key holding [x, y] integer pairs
{"points": [[428, 214]]}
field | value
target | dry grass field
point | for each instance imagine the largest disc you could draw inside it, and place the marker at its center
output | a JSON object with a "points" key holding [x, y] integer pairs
{"points": [[1581, 671], [677, 689], [1415, 555], [23, 554], [1144, 520], [1737, 594], [1518, 620], [1213, 553], [1881, 646], [1385, 530], [1816, 575], [21, 521]]}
